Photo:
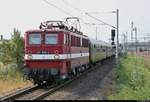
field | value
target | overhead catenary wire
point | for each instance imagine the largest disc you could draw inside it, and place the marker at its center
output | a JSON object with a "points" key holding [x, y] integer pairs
{"points": [[100, 20], [60, 9], [75, 8], [108, 12], [83, 12], [79, 10]]}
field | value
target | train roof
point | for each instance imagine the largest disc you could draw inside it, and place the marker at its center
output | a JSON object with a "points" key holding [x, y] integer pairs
{"points": [[99, 42], [48, 30], [55, 30]]}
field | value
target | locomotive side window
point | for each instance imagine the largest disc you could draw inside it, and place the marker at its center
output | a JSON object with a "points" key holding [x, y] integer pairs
{"points": [[51, 38], [35, 39], [79, 42], [66, 39], [73, 40], [85, 42]]}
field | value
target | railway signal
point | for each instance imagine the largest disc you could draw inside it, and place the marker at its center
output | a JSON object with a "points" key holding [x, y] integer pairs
{"points": [[112, 34]]}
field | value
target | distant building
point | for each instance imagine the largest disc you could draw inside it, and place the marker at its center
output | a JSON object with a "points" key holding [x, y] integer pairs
{"points": [[141, 46]]}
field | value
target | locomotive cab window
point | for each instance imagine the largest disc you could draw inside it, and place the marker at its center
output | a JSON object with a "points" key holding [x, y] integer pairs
{"points": [[51, 39], [35, 39]]}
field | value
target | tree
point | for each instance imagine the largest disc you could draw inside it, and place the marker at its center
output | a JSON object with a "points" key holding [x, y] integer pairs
{"points": [[11, 51], [17, 44], [5, 52]]}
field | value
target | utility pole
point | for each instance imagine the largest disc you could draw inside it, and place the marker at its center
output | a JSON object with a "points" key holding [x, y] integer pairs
{"points": [[96, 32], [136, 38], [126, 41], [131, 35], [124, 47], [117, 44], [132, 31], [148, 47]]}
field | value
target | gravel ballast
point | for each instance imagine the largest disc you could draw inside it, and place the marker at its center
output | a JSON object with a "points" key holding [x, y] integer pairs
{"points": [[95, 85]]}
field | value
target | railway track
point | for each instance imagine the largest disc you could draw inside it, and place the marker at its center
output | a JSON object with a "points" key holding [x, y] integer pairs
{"points": [[18, 93], [40, 92]]}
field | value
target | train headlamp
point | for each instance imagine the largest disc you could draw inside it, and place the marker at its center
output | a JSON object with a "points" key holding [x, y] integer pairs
{"points": [[29, 56], [56, 56]]}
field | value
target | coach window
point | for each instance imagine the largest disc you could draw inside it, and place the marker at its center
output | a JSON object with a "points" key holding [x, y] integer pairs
{"points": [[51, 39], [35, 39], [104, 48]]}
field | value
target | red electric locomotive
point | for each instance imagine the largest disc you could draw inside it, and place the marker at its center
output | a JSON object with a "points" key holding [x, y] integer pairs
{"points": [[55, 52]]}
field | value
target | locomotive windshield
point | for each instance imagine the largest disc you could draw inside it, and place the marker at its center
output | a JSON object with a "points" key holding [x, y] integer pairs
{"points": [[51, 38], [35, 38]]}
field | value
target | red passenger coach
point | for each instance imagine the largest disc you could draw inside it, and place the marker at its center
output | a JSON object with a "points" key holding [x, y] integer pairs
{"points": [[55, 52]]}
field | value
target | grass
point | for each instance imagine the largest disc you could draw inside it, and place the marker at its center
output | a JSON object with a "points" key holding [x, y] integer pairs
{"points": [[133, 81], [11, 79]]}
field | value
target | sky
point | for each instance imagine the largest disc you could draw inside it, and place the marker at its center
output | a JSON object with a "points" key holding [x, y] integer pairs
{"points": [[28, 14]]}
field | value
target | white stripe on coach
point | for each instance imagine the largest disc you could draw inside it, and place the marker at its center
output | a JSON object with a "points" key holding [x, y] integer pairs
{"points": [[61, 56]]}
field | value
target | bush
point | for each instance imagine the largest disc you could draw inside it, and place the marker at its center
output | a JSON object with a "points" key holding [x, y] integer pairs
{"points": [[1, 65], [8, 72], [133, 79]]}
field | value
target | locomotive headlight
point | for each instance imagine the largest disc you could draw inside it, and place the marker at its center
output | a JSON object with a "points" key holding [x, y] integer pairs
{"points": [[29, 56], [56, 56]]}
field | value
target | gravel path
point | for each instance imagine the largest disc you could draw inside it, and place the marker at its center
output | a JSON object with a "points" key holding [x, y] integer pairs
{"points": [[96, 85]]}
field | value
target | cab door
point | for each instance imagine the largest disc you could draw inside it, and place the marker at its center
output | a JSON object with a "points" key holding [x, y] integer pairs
{"points": [[67, 45]]}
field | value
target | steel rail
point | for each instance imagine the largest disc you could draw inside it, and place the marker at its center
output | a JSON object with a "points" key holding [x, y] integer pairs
{"points": [[13, 95]]}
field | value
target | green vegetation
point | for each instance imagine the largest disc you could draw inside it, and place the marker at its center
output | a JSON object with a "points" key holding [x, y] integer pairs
{"points": [[11, 79], [10, 73], [11, 63], [11, 56], [11, 51], [133, 79]]}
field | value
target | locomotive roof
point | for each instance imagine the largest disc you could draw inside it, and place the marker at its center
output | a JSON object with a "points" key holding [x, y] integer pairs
{"points": [[53, 30], [99, 42], [41, 30]]}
